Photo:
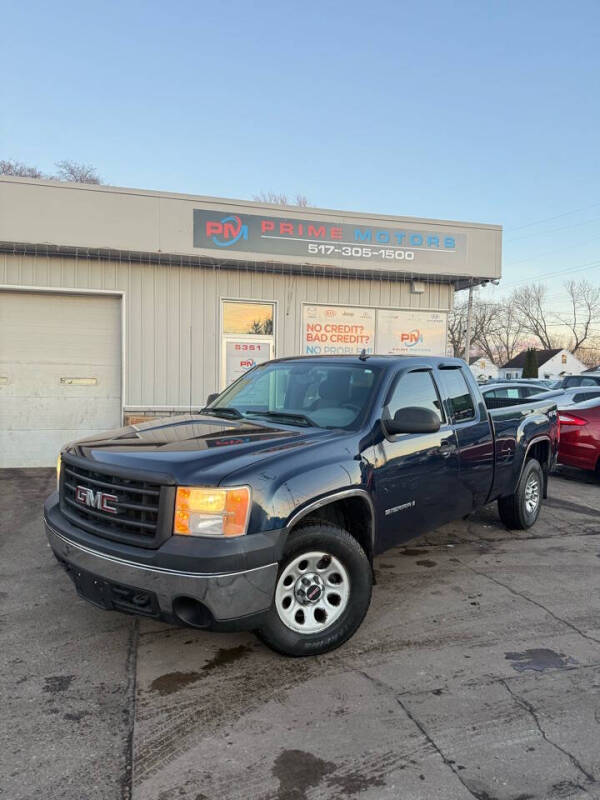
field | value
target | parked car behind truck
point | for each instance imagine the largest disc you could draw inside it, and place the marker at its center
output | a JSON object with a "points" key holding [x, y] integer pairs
{"points": [[265, 511], [580, 435]]}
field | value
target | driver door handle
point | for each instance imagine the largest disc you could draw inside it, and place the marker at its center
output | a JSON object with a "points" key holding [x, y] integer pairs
{"points": [[446, 449]]}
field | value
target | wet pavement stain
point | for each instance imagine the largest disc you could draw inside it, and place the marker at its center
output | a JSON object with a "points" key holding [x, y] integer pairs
{"points": [[58, 683], [73, 716], [539, 659], [226, 655], [426, 562], [355, 782], [569, 506], [173, 681], [298, 771], [413, 551]]}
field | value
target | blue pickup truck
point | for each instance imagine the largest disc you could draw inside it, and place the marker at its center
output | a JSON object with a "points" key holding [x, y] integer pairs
{"points": [[264, 511]]}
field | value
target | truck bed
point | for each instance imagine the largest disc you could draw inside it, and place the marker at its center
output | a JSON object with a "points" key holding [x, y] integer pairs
{"points": [[513, 425]]}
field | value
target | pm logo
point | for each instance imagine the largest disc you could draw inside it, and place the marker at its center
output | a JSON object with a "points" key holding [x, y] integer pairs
{"points": [[227, 231], [411, 338], [100, 500]]}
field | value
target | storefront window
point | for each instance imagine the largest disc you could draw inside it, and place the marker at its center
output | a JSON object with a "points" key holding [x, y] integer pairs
{"points": [[248, 318]]}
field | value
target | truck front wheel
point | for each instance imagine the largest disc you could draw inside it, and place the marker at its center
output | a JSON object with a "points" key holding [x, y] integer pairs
{"points": [[322, 593], [521, 509]]}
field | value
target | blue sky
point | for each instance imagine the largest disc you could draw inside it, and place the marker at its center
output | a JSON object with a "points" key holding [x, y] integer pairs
{"points": [[484, 111]]}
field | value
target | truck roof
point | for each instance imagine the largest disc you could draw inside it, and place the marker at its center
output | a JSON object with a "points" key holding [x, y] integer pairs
{"points": [[377, 360]]}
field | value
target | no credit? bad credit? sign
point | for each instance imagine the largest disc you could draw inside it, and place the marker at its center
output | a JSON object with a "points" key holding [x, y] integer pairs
{"points": [[337, 330]]}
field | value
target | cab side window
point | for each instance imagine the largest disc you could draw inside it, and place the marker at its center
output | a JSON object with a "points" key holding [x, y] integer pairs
{"points": [[459, 396], [415, 389]]}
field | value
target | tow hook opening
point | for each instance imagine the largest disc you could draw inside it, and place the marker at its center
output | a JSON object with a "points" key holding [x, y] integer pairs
{"points": [[192, 612]]}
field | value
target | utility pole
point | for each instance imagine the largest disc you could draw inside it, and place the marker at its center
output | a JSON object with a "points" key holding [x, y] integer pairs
{"points": [[469, 324]]}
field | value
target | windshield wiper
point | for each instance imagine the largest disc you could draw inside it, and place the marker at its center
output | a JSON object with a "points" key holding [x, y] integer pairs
{"points": [[226, 411], [302, 418]]}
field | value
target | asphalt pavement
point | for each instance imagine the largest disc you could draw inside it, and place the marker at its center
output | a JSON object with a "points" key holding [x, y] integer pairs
{"points": [[476, 674]]}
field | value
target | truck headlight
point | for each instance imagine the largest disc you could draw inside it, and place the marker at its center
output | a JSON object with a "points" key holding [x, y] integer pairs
{"points": [[58, 469], [211, 512]]}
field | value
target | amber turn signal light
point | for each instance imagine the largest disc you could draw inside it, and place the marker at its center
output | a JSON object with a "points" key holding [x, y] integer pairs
{"points": [[203, 511]]}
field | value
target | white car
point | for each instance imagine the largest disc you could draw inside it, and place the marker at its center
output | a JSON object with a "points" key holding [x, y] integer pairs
{"points": [[570, 396]]}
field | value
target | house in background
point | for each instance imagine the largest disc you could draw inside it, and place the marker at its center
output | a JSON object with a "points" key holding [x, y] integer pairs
{"points": [[483, 368], [551, 364]]}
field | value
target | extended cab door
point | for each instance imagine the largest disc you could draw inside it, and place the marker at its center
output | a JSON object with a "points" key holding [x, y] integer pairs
{"points": [[467, 411], [416, 476]]}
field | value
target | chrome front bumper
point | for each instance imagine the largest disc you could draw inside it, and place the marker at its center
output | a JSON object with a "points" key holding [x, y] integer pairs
{"points": [[228, 596]]}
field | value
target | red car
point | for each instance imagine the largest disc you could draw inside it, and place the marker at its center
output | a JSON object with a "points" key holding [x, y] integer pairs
{"points": [[580, 436]]}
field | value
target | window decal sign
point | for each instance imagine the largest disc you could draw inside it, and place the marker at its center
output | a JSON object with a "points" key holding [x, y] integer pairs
{"points": [[337, 330], [417, 333], [243, 355]]}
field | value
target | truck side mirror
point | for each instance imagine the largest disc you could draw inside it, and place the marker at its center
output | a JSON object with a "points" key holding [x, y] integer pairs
{"points": [[412, 419], [211, 398]]}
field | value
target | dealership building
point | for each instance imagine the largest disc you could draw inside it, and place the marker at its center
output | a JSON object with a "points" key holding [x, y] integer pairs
{"points": [[117, 305]]}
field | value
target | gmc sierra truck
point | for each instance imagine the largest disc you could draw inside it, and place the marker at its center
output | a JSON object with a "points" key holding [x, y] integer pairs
{"points": [[264, 511]]}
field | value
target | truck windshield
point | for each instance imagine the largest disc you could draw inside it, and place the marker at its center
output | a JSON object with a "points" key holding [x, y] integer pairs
{"points": [[298, 393]]}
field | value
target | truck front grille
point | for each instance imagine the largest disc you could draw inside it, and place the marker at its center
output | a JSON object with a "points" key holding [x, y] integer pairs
{"points": [[125, 509]]}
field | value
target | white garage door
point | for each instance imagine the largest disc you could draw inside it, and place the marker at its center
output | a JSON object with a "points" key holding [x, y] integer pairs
{"points": [[60, 372]]}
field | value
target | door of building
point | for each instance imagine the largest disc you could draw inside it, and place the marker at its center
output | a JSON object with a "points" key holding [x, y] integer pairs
{"points": [[60, 372], [247, 337]]}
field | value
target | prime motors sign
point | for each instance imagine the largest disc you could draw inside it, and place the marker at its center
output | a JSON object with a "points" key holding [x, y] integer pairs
{"points": [[327, 241]]}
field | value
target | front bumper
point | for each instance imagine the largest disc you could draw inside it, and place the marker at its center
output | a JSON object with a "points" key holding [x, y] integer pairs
{"points": [[234, 600]]}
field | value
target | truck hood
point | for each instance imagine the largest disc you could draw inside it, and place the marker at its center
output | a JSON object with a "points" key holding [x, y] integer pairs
{"points": [[194, 448]]}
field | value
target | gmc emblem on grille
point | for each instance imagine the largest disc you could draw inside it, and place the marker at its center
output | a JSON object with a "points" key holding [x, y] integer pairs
{"points": [[100, 500]]}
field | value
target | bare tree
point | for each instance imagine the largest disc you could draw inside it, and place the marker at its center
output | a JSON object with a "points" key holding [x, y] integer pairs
{"points": [[501, 330], [507, 336], [590, 354], [530, 303], [584, 312], [497, 330], [457, 326], [69, 171], [75, 172], [281, 199], [19, 170], [486, 327]]}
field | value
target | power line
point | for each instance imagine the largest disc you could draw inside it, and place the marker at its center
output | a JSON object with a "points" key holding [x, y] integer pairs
{"points": [[590, 264], [550, 252], [553, 230], [550, 219]]}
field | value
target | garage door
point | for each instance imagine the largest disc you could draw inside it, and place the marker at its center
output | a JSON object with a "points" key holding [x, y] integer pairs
{"points": [[60, 372]]}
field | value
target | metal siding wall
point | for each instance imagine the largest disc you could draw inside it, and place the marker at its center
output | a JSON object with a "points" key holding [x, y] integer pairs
{"points": [[166, 308]]}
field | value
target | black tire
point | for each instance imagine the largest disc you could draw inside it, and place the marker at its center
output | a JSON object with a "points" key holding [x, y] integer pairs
{"points": [[333, 540], [514, 511]]}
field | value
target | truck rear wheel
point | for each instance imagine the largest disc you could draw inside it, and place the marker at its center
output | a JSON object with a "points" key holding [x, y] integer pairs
{"points": [[521, 509], [322, 593]]}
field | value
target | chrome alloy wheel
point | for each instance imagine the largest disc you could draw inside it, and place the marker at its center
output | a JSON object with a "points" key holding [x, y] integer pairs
{"points": [[532, 494], [312, 592]]}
